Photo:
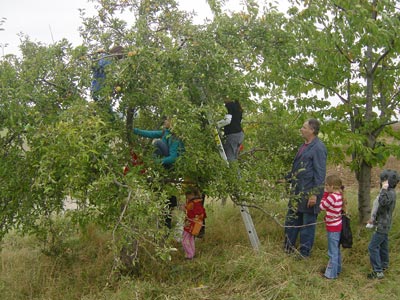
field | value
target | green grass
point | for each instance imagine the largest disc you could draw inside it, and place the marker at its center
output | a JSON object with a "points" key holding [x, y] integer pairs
{"points": [[225, 267]]}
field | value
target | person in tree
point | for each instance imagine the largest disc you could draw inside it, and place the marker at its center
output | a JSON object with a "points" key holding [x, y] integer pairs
{"points": [[100, 74], [382, 213], [307, 186], [233, 132], [194, 219], [168, 147], [332, 204]]}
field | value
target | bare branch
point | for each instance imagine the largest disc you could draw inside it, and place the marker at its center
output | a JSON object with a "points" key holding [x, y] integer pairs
{"points": [[236, 201]]}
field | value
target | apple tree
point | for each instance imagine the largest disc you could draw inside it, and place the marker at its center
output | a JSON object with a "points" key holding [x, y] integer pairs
{"points": [[58, 143]]}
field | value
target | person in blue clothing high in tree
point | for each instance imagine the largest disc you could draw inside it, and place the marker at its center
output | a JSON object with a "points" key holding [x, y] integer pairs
{"points": [[168, 148], [99, 71]]}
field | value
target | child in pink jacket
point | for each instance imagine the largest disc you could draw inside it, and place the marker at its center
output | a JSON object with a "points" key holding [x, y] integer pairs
{"points": [[195, 215]]}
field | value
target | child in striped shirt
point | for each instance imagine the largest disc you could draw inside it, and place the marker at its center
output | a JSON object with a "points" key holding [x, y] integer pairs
{"points": [[332, 204]]}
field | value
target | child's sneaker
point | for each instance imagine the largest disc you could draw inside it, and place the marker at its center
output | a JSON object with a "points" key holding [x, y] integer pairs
{"points": [[375, 275]]}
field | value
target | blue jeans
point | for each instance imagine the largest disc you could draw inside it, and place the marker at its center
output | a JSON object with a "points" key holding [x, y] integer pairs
{"points": [[335, 258], [378, 249], [161, 148], [293, 227]]}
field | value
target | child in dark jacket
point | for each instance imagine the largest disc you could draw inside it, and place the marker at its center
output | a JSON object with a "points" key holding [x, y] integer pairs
{"points": [[195, 215], [378, 247]]}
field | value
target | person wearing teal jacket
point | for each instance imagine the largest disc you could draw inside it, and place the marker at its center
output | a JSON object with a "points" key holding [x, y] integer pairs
{"points": [[168, 146], [167, 150]]}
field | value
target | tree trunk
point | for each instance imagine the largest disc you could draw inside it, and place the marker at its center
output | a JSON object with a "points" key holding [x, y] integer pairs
{"points": [[129, 259], [364, 188]]}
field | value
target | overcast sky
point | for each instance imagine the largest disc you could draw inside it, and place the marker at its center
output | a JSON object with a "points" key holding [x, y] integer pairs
{"points": [[52, 20], [49, 21]]}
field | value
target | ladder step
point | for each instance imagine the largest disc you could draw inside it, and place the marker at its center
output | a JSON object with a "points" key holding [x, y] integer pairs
{"points": [[251, 230]]}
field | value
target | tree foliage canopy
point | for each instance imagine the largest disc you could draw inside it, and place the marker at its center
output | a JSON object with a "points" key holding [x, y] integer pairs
{"points": [[58, 143]]}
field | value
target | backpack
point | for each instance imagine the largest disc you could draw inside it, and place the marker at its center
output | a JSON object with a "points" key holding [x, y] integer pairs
{"points": [[346, 236]]}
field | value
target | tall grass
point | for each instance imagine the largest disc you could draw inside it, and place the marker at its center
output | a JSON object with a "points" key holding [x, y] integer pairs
{"points": [[225, 267]]}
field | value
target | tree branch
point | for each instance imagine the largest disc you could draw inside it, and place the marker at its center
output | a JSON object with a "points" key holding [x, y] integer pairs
{"points": [[341, 52], [326, 87], [339, 7], [252, 151], [380, 59], [272, 216], [54, 85], [108, 55], [120, 184], [393, 97], [377, 131]]}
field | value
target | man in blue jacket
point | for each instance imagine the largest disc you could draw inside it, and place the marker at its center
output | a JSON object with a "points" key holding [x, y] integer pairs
{"points": [[306, 179]]}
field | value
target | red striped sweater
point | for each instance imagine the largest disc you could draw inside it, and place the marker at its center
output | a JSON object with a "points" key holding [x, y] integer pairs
{"points": [[332, 203]]}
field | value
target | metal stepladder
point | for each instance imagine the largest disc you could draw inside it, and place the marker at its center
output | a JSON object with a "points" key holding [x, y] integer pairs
{"points": [[244, 210]]}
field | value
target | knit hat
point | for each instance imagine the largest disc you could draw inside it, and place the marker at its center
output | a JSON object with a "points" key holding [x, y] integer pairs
{"points": [[391, 176]]}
